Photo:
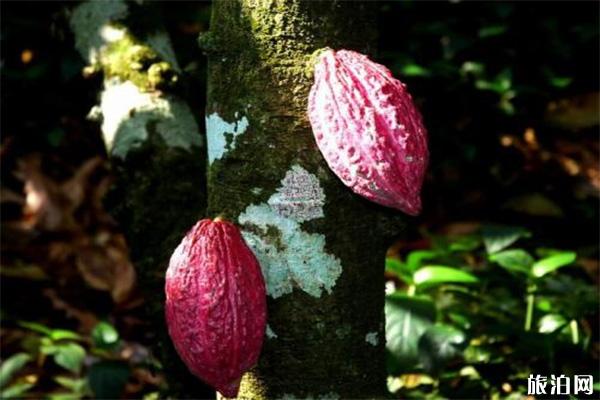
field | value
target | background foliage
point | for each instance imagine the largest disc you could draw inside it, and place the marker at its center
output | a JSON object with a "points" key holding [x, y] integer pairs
{"points": [[496, 280]]}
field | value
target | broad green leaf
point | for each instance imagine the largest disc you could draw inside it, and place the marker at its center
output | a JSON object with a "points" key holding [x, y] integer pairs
{"points": [[54, 334], [407, 318], [439, 344], [34, 326], [465, 243], [15, 391], [106, 336], [67, 355], [77, 385], [438, 274], [415, 258], [11, 366], [549, 323], [552, 263], [513, 260], [108, 378], [499, 237]]}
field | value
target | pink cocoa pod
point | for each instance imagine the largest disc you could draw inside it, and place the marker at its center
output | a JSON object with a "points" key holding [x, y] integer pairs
{"points": [[368, 129], [216, 308]]}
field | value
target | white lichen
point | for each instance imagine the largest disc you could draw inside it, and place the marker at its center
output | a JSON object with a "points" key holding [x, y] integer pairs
{"points": [[127, 113], [300, 196], [372, 338], [221, 135], [289, 256], [270, 333], [90, 23]]}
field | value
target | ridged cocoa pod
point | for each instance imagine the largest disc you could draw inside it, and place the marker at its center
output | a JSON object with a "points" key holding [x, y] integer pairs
{"points": [[368, 129], [216, 307]]}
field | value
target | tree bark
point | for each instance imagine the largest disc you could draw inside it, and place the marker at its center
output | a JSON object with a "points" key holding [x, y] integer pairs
{"points": [[321, 247], [155, 148]]}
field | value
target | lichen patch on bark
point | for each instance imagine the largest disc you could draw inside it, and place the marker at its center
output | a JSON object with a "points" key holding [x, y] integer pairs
{"points": [[221, 135], [300, 196], [372, 338], [290, 257], [270, 333]]}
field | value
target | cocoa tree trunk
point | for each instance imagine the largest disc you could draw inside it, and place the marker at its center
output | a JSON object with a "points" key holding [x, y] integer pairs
{"points": [[321, 247]]}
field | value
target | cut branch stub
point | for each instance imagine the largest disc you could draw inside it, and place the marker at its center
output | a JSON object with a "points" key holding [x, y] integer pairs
{"points": [[368, 129]]}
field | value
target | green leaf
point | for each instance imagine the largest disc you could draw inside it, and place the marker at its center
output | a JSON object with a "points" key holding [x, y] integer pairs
{"points": [[34, 326], [407, 318], [415, 70], [415, 258], [15, 391], [60, 334], [440, 344], [561, 81], [108, 378], [499, 237], [465, 243], [11, 366], [549, 323], [492, 30], [106, 336], [438, 274], [77, 385], [552, 263], [67, 355], [471, 67], [64, 396], [513, 260]]}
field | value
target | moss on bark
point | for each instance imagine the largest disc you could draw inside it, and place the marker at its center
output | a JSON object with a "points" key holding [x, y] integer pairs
{"points": [[260, 55]]}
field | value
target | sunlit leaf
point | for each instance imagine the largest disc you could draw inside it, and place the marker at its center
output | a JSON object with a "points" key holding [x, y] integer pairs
{"points": [[415, 258], [60, 334], [552, 263], [471, 67], [15, 391], [105, 335], [11, 366], [415, 70], [438, 274], [549, 323], [78, 386], [499, 237], [513, 260]]}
